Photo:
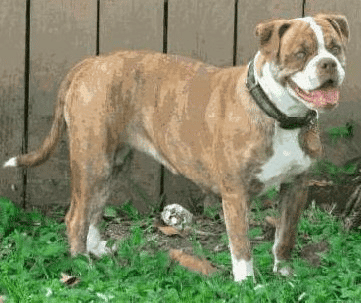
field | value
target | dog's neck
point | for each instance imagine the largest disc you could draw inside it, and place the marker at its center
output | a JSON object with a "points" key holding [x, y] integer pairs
{"points": [[277, 93]]}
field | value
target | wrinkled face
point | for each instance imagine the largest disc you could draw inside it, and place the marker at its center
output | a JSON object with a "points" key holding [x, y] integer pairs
{"points": [[307, 57]]}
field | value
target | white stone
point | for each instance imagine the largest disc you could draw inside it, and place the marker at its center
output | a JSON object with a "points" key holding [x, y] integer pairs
{"points": [[177, 216]]}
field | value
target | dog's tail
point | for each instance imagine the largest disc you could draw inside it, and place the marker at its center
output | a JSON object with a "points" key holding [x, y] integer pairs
{"points": [[48, 147]]}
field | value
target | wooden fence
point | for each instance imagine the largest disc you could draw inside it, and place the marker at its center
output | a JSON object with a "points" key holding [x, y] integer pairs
{"points": [[42, 39]]}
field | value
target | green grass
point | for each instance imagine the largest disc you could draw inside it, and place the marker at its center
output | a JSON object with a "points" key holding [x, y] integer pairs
{"points": [[338, 174], [342, 131], [34, 253]]}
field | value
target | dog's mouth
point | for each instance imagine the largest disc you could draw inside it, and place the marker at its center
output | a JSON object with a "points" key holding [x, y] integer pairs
{"points": [[325, 96]]}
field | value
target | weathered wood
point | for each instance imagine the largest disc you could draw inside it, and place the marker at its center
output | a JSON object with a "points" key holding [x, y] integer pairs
{"points": [[12, 54], [62, 33], [201, 29], [133, 24], [352, 213]]}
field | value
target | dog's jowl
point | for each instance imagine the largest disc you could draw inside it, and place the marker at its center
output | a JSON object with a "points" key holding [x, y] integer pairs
{"points": [[236, 131]]}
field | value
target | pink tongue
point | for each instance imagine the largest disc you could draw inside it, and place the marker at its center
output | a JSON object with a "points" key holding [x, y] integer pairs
{"points": [[321, 97]]}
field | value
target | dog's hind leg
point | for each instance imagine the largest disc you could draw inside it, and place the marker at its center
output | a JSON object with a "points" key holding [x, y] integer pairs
{"points": [[91, 169], [293, 201]]}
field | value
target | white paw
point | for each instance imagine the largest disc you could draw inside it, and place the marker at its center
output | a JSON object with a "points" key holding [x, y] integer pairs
{"points": [[101, 249], [12, 162], [283, 270], [242, 269], [286, 271], [94, 244]]}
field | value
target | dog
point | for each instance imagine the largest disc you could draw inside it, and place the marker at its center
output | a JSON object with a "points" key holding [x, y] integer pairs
{"points": [[235, 131]]}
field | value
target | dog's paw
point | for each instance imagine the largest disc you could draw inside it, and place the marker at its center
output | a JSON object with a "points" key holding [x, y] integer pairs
{"points": [[95, 245], [283, 269], [101, 249], [242, 270]]}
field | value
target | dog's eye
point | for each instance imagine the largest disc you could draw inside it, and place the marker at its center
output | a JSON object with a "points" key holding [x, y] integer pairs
{"points": [[301, 55], [335, 50]]}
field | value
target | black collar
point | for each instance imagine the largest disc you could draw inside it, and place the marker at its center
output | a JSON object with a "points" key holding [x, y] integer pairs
{"points": [[270, 109]]}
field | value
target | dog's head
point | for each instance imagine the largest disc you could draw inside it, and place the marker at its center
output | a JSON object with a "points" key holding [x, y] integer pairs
{"points": [[307, 56]]}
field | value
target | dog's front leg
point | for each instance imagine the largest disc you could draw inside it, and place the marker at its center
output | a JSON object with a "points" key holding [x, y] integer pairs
{"points": [[235, 207], [293, 201]]}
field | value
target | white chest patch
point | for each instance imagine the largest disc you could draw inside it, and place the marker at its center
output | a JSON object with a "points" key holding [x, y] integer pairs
{"points": [[288, 159]]}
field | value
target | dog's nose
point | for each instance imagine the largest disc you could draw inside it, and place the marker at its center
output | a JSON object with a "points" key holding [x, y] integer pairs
{"points": [[328, 65]]}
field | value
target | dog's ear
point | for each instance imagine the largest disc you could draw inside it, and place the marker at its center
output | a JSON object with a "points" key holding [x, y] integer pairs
{"points": [[339, 23], [270, 34]]}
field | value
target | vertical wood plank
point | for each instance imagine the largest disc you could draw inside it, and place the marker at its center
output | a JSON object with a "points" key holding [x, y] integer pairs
{"points": [[133, 24], [260, 10], [62, 33], [12, 54], [201, 29]]}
